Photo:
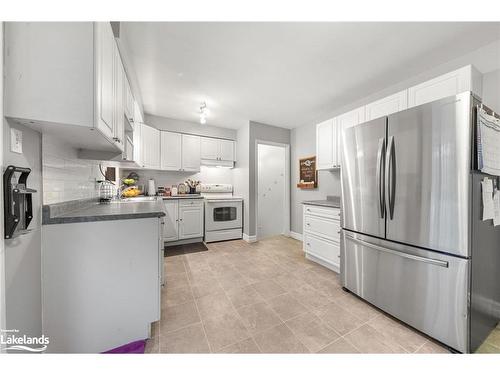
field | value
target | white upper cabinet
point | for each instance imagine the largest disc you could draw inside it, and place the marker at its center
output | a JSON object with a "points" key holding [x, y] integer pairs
{"points": [[209, 148], [352, 118], [388, 105], [118, 113], [129, 102], [449, 84], [138, 118], [325, 145], [217, 149], [60, 78], [105, 79], [226, 150], [137, 138], [171, 146], [150, 144], [190, 153]]}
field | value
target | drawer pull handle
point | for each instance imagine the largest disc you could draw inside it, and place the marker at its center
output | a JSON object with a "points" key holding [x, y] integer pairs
{"points": [[308, 210], [436, 262], [308, 224], [308, 244]]}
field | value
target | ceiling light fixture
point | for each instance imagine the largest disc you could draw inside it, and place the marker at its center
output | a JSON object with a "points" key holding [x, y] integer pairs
{"points": [[203, 113]]}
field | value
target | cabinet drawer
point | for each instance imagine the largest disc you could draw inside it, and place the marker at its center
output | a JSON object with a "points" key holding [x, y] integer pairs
{"points": [[328, 212], [323, 227], [322, 248], [190, 202]]}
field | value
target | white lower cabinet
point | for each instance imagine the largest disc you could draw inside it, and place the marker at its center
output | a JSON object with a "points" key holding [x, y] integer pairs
{"points": [[190, 220], [322, 235], [183, 220], [171, 220]]}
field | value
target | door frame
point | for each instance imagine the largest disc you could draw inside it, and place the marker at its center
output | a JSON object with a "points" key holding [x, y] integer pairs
{"points": [[286, 195]]}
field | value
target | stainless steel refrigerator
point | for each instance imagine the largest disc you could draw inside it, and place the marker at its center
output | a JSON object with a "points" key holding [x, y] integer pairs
{"points": [[413, 242]]}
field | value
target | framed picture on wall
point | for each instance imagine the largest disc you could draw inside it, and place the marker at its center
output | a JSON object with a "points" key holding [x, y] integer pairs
{"points": [[308, 175]]}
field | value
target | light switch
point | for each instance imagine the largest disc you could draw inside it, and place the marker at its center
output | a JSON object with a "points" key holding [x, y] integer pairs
{"points": [[16, 140]]}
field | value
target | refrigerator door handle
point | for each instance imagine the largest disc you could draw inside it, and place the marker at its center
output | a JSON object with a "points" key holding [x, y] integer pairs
{"points": [[390, 176], [436, 262], [380, 176]]}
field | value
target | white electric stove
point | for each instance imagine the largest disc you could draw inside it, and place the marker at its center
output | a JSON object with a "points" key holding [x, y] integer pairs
{"points": [[223, 213]]}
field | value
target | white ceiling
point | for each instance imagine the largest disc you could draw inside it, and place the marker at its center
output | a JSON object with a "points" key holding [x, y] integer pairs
{"points": [[283, 74]]}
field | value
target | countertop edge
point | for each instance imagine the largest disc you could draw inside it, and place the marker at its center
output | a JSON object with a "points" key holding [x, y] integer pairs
{"points": [[87, 219], [321, 204]]}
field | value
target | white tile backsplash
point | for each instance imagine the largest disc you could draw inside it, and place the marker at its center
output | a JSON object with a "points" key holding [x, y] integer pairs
{"points": [[65, 176]]}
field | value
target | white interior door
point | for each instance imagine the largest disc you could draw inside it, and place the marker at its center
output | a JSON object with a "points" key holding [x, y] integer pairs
{"points": [[271, 190]]}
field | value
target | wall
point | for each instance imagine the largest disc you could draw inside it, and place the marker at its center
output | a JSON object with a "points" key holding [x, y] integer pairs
{"points": [[486, 59], [23, 253], [262, 132], [207, 175], [491, 90], [241, 173], [65, 176], [165, 123]]}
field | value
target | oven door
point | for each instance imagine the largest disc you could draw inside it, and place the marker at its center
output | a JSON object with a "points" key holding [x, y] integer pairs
{"points": [[223, 214]]}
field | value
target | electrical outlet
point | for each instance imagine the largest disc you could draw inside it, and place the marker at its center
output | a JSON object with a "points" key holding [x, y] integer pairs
{"points": [[16, 140]]}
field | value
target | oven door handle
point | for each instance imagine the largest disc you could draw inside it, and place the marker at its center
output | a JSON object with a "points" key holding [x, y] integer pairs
{"points": [[223, 200]]}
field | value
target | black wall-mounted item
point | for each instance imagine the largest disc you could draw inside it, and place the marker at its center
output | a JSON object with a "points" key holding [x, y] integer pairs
{"points": [[18, 202]]}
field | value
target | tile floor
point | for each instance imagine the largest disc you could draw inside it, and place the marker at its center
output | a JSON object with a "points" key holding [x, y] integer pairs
{"points": [[266, 297]]}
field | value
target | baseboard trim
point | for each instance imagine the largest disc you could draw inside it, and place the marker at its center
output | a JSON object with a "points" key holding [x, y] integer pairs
{"points": [[249, 239], [296, 236]]}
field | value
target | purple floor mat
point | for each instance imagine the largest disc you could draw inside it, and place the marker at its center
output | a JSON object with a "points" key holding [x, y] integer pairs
{"points": [[135, 347]]}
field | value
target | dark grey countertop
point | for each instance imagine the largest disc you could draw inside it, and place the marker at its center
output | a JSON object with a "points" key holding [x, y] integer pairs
{"points": [[330, 201], [183, 196], [93, 211]]}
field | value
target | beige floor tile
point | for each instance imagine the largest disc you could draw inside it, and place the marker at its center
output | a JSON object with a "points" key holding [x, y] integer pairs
{"points": [[341, 320], [368, 340], [190, 339], [245, 295], [431, 347], [279, 339], [205, 289], [288, 281], [224, 330], [311, 331], [213, 305], [405, 337], [176, 279], [362, 310], [494, 338], [258, 317], [268, 289], [179, 316], [340, 346], [172, 296], [310, 297], [174, 268], [231, 280], [286, 306], [243, 347], [202, 276], [487, 348]]}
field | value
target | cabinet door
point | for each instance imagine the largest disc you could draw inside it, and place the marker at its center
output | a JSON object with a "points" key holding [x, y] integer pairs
{"points": [[226, 150], [190, 222], [324, 145], [448, 84], [137, 113], [209, 148], [190, 153], [171, 220], [137, 137], [119, 118], [150, 147], [323, 249], [345, 121], [171, 145], [388, 105], [129, 101], [105, 58]]}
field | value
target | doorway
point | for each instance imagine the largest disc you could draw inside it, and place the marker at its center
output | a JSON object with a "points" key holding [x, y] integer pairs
{"points": [[273, 186]]}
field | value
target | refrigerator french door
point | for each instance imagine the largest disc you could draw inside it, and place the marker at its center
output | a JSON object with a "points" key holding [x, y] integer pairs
{"points": [[405, 202]]}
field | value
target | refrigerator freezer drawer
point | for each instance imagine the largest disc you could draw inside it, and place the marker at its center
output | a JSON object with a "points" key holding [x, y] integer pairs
{"points": [[424, 289]]}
